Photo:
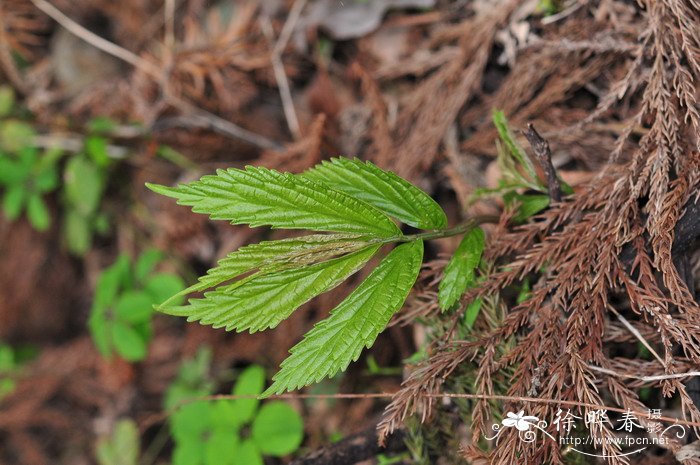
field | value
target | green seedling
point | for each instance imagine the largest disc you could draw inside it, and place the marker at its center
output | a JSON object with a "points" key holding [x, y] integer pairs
{"points": [[120, 319]]}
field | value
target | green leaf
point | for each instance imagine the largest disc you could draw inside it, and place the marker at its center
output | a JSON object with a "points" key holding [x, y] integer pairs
{"points": [[530, 205], [127, 342], [13, 201], [96, 148], [122, 448], [78, 233], [277, 429], [37, 213], [247, 454], [250, 382], [260, 302], [101, 124], [7, 359], [12, 172], [110, 281], [188, 453], [224, 417], [7, 100], [162, 286], [339, 339], [191, 421], [83, 185], [46, 180], [473, 310], [134, 307], [296, 251], [459, 272], [100, 332], [513, 147], [15, 135], [146, 262], [385, 190], [258, 197], [220, 448]]}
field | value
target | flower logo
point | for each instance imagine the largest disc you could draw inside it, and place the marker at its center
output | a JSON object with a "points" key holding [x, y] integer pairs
{"points": [[520, 421]]}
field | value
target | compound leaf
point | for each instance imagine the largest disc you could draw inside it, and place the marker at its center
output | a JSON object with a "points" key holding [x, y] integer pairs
{"points": [[259, 196], [263, 301], [385, 190], [354, 324], [459, 272]]}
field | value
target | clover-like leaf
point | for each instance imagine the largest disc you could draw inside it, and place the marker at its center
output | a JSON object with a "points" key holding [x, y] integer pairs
{"points": [[385, 190], [277, 429], [259, 196], [250, 383], [354, 324]]}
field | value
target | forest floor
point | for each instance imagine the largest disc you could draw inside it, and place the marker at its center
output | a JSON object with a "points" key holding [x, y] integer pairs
{"points": [[168, 91]]}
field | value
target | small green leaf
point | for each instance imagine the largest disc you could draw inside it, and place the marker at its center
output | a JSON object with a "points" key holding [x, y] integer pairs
{"points": [[260, 302], [146, 262], [354, 324], [224, 417], [83, 184], [191, 421], [12, 172], [473, 310], [259, 197], [13, 201], [46, 180], [127, 342], [15, 135], [459, 272], [247, 454], [7, 100], [162, 286], [100, 332], [277, 429], [530, 205], [134, 307], [77, 232], [37, 213], [96, 148], [122, 448], [188, 453], [110, 281], [508, 138], [385, 190], [220, 448], [250, 382], [101, 124]]}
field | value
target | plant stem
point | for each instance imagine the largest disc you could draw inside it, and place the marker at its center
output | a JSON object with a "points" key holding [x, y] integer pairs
{"points": [[461, 228]]}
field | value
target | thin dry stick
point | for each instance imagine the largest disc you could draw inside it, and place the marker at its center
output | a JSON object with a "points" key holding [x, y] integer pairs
{"points": [[607, 371], [97, 41], [203, 117], [636, 334], [169, 19], [278, 66]]}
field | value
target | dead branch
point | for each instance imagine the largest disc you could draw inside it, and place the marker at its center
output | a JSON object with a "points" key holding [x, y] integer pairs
{"points": [[544, 157]]}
